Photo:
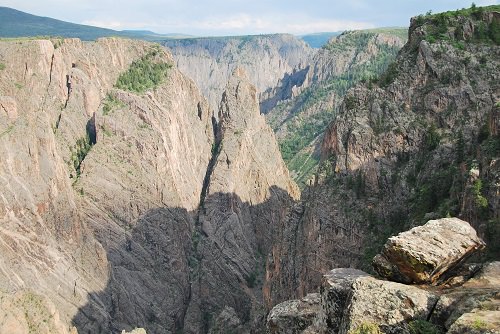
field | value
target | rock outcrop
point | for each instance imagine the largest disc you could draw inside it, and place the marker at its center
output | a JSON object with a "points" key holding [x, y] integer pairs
{"points": [[294, 316], [48, 253], [135, 331], [426, 253], [355, 302]]}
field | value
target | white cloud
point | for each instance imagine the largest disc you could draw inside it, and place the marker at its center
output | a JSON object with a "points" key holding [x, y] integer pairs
{"points": [[223, 17], [237, 24], [107, 24]]}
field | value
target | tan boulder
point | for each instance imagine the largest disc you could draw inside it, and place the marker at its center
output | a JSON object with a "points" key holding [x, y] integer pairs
{"points": [[425, 253]]}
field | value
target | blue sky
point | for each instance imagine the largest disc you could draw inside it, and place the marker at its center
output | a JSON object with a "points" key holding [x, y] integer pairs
{"points": [[237, 17]]}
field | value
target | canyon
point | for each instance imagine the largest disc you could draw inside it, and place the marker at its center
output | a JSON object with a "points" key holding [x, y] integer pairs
{"points": [[132, 200]]}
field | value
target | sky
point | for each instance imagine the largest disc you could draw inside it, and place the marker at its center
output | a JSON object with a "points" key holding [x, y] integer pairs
{"points": [[238, 17]]}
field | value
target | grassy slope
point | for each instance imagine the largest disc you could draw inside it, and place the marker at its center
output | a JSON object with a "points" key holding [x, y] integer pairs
{"points": [[15, 24]]}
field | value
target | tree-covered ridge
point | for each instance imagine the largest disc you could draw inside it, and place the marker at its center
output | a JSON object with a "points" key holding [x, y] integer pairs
{"points": [[450, 25], [304, 128], [15, 24], [145, 73]]}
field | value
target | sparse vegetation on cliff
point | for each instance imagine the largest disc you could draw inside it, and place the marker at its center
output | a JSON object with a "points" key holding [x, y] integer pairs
{"points": [[79, 152], [308, 114], [110, 104], [145, 73], [447, 26]]}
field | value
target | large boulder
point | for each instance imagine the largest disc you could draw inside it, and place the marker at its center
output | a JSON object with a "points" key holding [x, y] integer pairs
{"points": [[294, 316], [389, 305], [425, 253]]}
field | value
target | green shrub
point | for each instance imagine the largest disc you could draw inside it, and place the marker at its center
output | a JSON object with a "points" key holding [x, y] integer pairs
{"points": [[389, 75], [145, 73], [79, 152], [2, 66], [432, 138], [423, 327], [479, 324], [477, 188], [366, 328], [111, 103]]}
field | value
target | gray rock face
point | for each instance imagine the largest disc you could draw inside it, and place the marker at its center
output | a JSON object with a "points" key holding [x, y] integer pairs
{"points": [[247, 198], [44, 231], [294, 316], [425, 253], [390, 305], [353, 301], [477, 299], [211, 61], [101, 194], [135, 331]]}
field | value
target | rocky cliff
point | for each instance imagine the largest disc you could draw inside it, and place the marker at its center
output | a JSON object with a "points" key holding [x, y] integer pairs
{"points": [[245, 203], [266, 58], [421, 142], [124, 203], [314, 94]]}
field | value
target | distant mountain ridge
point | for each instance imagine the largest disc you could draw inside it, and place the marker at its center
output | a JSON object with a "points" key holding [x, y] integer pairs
{"points": [[15, 23], [317, 40], [209, 61]]}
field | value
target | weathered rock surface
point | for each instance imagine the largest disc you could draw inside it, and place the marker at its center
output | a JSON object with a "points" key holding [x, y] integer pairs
{"points": [[351, 299], [479, 294], [353, 302], [397, 154], [228, 322], [135, 331], [390, 305], [425, 253], [335, 290], [312, 95], [294, 316], [266, 58], [101, 192], [246, 199], [477, 322], [46, 248]]}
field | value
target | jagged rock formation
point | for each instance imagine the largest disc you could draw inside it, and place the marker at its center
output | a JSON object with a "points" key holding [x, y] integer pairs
{"points": [[313, 94], [247, 196], [355, 302], [111, 197], [266, 58], [421, 143]]}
